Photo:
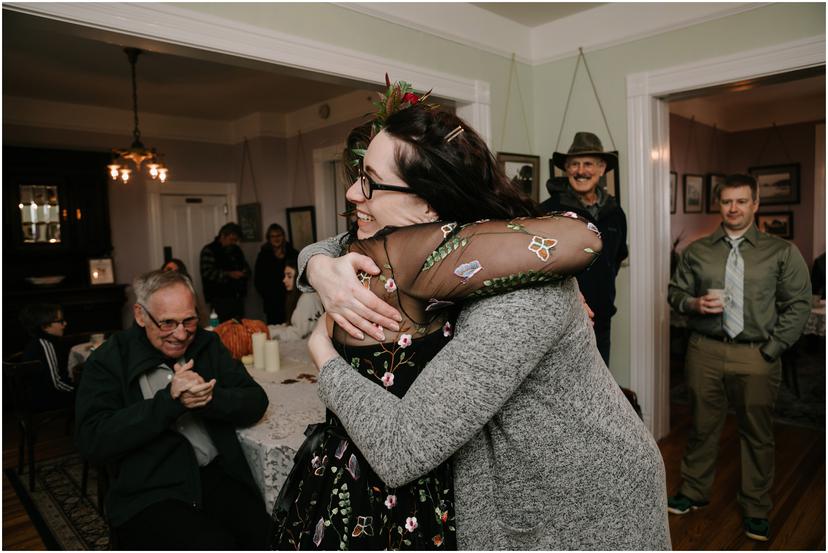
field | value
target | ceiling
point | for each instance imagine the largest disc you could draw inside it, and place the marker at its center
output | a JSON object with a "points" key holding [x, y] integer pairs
{"points": [[53, 61], [744, 106], [535, 14]]}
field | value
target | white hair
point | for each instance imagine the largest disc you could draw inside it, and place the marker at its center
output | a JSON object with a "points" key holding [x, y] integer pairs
{"points": [[149, 283]]}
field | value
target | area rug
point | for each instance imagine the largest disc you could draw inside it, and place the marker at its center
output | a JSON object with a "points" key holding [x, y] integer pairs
{"points": [[63, 518]]}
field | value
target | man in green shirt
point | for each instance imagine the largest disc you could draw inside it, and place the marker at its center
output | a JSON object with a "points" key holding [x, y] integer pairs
{"points": [[747, 296]]}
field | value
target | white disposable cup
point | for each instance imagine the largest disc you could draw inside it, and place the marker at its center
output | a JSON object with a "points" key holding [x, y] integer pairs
{"points": [[718, 293]]}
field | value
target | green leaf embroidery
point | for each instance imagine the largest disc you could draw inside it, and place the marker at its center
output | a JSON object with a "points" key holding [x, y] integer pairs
{"points": [[443, 251], [517, 227]]}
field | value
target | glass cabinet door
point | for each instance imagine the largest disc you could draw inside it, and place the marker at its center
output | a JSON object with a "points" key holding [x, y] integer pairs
{"points": [[40, 214]]}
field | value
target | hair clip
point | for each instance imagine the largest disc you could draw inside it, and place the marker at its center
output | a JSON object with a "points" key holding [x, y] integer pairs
{"points": [[454, 134]]}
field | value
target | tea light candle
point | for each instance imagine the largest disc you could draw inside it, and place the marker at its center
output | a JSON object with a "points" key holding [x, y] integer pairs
{"points": [[259, 339], [271, 355]]}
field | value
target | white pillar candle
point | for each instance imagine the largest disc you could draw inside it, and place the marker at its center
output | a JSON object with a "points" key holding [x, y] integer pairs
{"points": [[271, 354], [259, 339]]}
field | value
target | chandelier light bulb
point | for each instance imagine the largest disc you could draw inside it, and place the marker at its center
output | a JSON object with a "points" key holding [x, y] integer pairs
{"points": [[153, 170], [113, 170], [125, 175], [162, 174]]}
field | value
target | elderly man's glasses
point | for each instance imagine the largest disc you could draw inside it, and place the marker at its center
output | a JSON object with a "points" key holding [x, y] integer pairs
{"points": [[171, 325], [368, 185]]}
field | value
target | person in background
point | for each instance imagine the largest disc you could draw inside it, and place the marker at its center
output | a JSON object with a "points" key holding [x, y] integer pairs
{"points": [[45, 324], [159, 403], [175, 264], [733, 356], [302, 310], [585, 163], [269, 272], [224, 273]]}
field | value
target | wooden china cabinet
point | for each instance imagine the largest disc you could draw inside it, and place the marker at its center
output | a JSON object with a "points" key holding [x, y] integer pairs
{"points": [[55, 219]]}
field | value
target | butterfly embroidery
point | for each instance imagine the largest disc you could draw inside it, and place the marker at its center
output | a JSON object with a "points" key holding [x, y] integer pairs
{"points": [[448, 228], [541, 246], [468, 270], [594, 229], [319, 532], [319, 466], [353, 467], [364, 278], [363, 526], [340, 451]]}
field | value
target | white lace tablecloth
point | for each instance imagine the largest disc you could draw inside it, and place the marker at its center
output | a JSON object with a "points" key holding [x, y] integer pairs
{"points": [[271, 443]]}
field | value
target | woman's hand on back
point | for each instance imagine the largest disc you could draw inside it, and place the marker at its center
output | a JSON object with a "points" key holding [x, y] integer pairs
{"points": [[351, 305]]}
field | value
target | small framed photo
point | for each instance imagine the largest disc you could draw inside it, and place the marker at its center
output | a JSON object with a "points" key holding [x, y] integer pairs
{"points": [[778, 184], [778, 223], [714, 180], [100, 271], [611, 181], [673, 190], [523, 170], [301, 226], [693, 193], [250, 221]]}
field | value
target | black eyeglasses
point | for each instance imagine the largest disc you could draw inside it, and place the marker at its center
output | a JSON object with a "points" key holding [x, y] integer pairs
{"points": [[170, 325], [368, 185]]}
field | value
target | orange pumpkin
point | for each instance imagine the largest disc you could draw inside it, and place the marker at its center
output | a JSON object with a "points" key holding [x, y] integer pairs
{"points": [[238, 336]]}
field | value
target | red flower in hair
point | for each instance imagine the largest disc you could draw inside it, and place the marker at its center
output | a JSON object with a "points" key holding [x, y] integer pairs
{"points": [[411, 98]]}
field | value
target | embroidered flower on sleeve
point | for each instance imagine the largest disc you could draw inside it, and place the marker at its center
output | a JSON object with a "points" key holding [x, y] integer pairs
{"points": [[390, 286], [411, 524], [448, 228], [541, 246], [468, 270], [388, 379], [391, 501], [437, 540], [404, 341], [364, 278], [570, 214], [447, 330]]}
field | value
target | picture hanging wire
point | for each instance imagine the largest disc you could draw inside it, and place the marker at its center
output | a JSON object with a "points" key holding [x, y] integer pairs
{"points": [[690, 134], [513, 72], [246, 157], [581, 56], [774, 130]]}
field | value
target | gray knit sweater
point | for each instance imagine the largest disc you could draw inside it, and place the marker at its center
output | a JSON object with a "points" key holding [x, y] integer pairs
{"points": [[548, 453]]}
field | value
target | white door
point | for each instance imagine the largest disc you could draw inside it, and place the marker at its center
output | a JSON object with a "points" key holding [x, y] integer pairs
{"points": [[188, 223]]}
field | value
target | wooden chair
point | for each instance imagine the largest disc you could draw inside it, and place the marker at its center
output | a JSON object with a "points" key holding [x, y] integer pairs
{"points": [[21, 377]]}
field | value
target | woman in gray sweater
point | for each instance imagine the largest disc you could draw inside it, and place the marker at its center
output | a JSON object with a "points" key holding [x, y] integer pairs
{"points": [[547, 452]]}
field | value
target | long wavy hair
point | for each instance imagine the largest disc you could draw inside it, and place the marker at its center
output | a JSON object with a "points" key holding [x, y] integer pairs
{"points": [[460, 178]]}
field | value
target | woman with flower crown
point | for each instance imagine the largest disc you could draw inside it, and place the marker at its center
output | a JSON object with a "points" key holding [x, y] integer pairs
{"points": [[425, 192]]}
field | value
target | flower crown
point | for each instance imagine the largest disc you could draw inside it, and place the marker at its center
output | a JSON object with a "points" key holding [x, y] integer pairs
{"points": [[397, 97]]}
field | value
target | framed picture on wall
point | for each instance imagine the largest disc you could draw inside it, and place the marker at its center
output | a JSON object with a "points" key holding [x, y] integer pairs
{"points": [[250, 221], [693, 193], [301, 226], [778, 223], [778, 184], [100, 271], [714, 180], [523, 170], [611, 181], [673, 190]]}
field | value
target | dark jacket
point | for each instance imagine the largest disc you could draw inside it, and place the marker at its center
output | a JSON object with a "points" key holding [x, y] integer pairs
{"points": [[151, 461], [215, 261], [52, 387], [597, 283], [268, 275]]}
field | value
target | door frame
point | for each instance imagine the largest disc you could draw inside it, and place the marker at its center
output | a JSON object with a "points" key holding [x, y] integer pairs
{"points": [[321, 186], [171, 24], [154, 191], [648, 145]]}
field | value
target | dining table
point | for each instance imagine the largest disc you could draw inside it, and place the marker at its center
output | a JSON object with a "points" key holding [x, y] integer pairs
{"points": [[293, 404]]}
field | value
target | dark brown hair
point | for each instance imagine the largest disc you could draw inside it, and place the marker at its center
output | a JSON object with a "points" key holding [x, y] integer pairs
{"points": [[460, 179], [736, 181]]}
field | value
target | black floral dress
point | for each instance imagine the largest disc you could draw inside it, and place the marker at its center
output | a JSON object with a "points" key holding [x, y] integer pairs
{"points": [[333, 500]]}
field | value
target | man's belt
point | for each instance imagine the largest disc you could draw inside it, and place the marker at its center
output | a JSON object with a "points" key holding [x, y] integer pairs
{"points": [[728, 340]]}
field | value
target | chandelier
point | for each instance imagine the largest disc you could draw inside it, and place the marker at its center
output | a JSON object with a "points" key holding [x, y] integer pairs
{"points": [[137, 153]]}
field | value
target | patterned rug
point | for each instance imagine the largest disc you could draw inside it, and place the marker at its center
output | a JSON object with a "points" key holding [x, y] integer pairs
{"points": [[63, 518]]}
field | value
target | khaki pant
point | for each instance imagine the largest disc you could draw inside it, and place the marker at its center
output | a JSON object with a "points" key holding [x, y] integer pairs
{"points": [[719, 374]]}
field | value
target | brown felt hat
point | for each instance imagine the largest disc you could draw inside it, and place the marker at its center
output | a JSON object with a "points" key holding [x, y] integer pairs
{"points": [[586, 144]]}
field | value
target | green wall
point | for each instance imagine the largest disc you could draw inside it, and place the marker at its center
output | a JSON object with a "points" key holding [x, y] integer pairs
{"points": [[545, 87]]}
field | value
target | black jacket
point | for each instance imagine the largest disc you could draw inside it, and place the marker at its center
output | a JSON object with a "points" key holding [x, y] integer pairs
{"points": [[597, 283], [52, 387], [268, 275], [152, 462], [215, 262]]}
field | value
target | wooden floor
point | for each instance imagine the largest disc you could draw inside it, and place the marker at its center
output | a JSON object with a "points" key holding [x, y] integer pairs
{"points": [[797, 520]]}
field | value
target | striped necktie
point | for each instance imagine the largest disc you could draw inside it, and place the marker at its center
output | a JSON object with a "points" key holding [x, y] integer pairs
{"points": [[733, 319]]}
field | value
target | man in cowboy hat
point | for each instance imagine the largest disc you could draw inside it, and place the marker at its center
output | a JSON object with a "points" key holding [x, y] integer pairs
{"points": [[584, 164]]}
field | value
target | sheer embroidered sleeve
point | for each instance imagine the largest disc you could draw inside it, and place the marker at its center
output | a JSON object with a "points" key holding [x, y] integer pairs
{"points": [[439, 262]]}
